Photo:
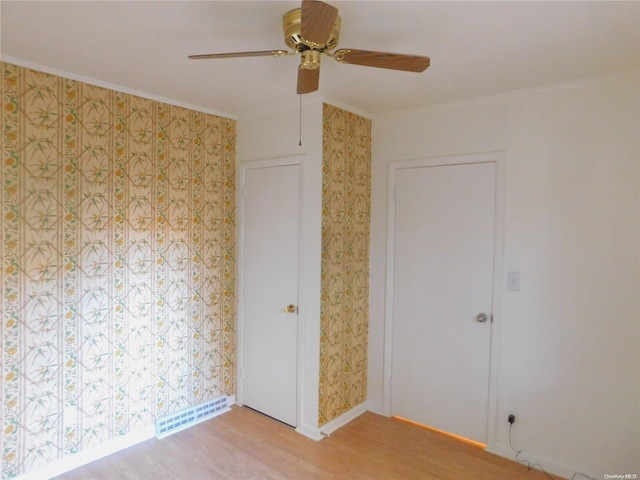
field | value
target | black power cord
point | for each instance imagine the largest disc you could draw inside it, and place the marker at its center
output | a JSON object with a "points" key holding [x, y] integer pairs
{"points": [[531, 466]]}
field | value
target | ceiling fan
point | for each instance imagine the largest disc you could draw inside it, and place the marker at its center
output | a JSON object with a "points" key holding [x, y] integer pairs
{"points": [[313, 30]]}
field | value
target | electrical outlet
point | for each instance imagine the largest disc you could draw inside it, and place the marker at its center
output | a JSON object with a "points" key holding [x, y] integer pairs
{"points": [[512, 418]]}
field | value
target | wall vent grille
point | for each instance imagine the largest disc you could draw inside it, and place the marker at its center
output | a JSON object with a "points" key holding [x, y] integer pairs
{"points": [[187, 417]]}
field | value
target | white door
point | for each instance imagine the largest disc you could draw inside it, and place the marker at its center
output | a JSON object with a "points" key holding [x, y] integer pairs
{"points": [[442, 282], [270, 284]]}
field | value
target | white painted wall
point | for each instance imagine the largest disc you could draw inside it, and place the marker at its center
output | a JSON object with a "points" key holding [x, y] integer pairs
{"points": [[274, 135], [569, 347]]}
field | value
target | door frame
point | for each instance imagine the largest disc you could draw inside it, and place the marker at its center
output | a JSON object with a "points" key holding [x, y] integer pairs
{"points": [[243, 167], [498, 158]]}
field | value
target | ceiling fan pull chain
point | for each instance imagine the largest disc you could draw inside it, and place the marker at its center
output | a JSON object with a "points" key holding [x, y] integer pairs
{"points": [[300, 123]]}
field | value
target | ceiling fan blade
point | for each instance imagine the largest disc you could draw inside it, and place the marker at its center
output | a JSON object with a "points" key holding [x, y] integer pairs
{"points": [[263, 53], [317, 20], [393, 61], [308, 80]]}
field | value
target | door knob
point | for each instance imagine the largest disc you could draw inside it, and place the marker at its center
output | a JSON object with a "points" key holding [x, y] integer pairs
{"points": [[290, 309], [482, 317]]}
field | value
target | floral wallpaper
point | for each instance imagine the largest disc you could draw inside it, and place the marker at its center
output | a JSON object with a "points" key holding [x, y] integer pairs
{"points": [[117, 257], [344, 316]]}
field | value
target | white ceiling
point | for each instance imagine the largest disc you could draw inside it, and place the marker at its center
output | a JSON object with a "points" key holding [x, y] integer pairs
{"points": [[477, 48]]}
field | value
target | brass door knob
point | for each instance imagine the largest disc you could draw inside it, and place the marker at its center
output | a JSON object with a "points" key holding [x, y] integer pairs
{"points": [[290, 309]]}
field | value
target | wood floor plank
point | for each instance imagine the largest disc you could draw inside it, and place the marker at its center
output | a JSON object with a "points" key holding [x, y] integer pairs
{"points": [[243, 444]]}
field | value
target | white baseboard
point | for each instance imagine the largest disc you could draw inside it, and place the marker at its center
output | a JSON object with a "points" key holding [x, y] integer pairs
{"points": [[71, 462], [77, 460], [310, 432], [328, 428], [376, 408], [548, 465]]}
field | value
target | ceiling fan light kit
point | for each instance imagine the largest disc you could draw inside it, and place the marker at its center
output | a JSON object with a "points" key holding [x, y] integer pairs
{"points": [[313, 30]]}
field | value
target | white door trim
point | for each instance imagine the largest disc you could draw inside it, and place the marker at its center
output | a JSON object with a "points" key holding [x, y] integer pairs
{"points": [[394, 167], [241, 175]]}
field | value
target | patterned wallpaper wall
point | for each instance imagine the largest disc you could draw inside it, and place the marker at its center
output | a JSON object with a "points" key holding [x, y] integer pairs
{"points": [[346, 205], [117, 258]]}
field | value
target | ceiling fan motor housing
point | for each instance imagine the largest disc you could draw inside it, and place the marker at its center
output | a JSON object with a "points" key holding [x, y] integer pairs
{"points": [[294, 40]]}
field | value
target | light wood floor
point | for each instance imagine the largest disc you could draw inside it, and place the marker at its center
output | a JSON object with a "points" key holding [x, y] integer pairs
{"points": [[243, 444]]}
